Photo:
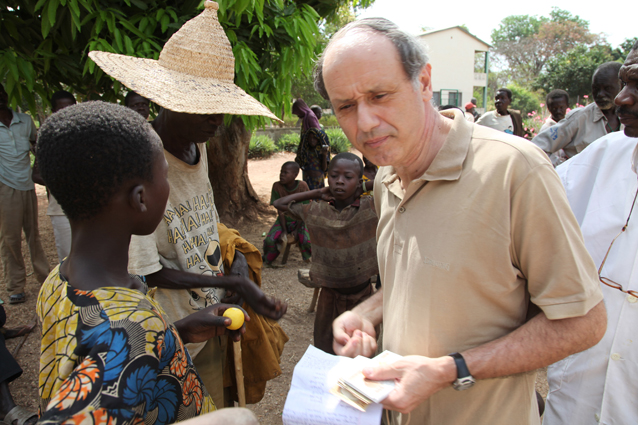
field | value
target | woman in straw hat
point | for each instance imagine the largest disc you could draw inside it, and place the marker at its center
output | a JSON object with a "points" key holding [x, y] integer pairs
{"points": [[193, 82]]}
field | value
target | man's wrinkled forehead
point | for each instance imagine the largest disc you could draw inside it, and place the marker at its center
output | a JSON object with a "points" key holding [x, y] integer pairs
{"points": [[629, 70], [358, 39]]}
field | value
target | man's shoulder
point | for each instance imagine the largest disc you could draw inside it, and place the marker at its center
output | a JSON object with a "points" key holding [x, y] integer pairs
{"points": [[605, 150], [500, 146], [22, 117]]}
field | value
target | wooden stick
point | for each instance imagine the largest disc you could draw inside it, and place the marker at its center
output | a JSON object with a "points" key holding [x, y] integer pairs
{"points": [[313, 303], [239, 374]]}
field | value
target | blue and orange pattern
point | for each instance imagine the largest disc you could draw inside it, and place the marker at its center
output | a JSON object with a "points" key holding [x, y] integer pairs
{"points": [[110, 356]]}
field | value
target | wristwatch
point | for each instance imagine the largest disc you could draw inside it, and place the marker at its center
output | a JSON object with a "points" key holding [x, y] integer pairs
{"points": [[464, 379]]}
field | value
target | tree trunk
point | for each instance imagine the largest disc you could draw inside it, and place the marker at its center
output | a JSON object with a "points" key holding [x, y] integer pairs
{"points": [[235, 197]]}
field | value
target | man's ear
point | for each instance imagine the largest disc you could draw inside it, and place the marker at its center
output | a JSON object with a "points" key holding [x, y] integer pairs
{"points": [[137, 198], [425, 82]]}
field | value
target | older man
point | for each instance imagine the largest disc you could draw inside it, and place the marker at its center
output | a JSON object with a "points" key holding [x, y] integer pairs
{"points": [[598, 385], [503, 119], [18, 201], [475, 234], [183, 258], [584, 125]]}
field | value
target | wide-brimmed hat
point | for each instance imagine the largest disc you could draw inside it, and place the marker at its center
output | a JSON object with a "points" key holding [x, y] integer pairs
{"points": [[194, 73]]}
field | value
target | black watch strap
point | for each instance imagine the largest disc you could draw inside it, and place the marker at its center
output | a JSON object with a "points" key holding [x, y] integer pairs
{"points": [[464, 380], [461, 368]]}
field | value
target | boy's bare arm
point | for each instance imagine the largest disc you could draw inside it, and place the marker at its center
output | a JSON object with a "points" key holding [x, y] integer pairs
{"points": [[250, 292], [282, 203]]}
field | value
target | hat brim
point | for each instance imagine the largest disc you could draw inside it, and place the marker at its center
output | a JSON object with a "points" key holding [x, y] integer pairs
{"points": [[178, 91]]}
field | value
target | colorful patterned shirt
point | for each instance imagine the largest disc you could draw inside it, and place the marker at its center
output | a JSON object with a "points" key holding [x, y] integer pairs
{"points": [[111, 356]]}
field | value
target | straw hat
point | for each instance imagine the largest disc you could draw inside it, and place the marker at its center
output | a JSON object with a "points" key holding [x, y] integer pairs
{"points": [[194, 74]]}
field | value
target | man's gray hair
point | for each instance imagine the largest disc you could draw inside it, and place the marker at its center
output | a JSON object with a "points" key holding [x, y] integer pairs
{"points": [[411, 51]]}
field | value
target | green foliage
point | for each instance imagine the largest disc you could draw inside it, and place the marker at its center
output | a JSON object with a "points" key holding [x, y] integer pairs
{"points": [[44, 43], [526, 43], [289, 142], [338, 141], [572, 71], [523, 100], [261, 147], [329, 121]]}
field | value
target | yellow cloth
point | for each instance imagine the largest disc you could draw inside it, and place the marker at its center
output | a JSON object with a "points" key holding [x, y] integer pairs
{"points": [[264, 340]]}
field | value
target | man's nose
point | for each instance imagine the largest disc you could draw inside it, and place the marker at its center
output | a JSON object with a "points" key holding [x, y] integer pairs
{"points": [[366, 117], [624, 97]]}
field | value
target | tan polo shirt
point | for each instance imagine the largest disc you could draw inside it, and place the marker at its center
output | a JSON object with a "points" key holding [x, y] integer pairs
{"points": [[462, 252]]}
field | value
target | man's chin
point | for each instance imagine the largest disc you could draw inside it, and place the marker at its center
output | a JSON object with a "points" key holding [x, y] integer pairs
{"points": [[605, 106], [631, 131]]}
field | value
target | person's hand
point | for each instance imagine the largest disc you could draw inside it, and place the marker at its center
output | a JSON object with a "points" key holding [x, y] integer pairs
{"points": [[417, 378], [238, 268], [208, 323], [258, 301], [353, 336], [326, 195], [325, 149]]}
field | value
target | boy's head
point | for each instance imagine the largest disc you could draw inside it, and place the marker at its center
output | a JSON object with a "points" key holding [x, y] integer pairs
{"points": [[93, 152], [61, 99], [557, 104], [289, 172], [345, 173]]}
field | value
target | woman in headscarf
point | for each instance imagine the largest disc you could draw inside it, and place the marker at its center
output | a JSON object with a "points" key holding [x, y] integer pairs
{"points": [[313, 156], [305, 114]]}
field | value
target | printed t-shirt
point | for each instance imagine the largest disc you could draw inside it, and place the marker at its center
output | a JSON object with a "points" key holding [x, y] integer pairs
{"points": [[498, 122], [343, 242], [186, 239], [464, 249], [112, 356]]}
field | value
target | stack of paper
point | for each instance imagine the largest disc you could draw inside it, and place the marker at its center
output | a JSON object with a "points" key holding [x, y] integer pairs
{"points": [[359, 392], [309, 400]]}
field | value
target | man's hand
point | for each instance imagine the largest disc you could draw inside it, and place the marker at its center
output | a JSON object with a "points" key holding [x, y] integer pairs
{"points": [[417, 378], [353, 336], [207, 323]]}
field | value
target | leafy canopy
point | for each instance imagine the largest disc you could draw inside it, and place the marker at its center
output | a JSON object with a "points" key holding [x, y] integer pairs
{"points": [[526, 43], [44, 43]]}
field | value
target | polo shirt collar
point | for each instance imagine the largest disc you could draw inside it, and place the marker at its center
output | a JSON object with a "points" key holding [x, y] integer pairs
{"points": [[598, 114], [448, 163], [14, 118]]}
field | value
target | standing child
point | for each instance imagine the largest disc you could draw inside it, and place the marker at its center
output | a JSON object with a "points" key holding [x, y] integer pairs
{"points": [[313, 156], [342, 229], [287, 185], [109, 353]]}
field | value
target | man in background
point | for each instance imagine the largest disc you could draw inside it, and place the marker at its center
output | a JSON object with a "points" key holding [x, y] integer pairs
{"points": [[584, 125], [598, 385], [18, 201], [138, 103], [503, 119]]}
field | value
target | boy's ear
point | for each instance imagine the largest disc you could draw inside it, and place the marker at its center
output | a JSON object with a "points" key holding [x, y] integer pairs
{"points": [[137, 198]]}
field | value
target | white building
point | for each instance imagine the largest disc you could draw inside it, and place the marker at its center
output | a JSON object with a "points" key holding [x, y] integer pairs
{"points": [[455, 55]]}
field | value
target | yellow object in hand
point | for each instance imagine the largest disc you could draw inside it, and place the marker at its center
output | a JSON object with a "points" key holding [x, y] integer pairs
{"points": [[237, 317]]}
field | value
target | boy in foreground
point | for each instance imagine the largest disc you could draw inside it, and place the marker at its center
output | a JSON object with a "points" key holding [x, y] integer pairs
{"points": [[342, 227], [109, 352], [287, 185]]}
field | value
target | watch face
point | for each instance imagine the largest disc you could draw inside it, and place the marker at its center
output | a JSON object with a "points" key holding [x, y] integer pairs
{"points": [[463, 383]]}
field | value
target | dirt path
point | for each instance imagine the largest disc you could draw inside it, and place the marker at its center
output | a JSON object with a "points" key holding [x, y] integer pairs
{"points": [[282, 283]]}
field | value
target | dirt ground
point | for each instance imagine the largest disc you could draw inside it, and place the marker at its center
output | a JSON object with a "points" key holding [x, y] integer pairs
{"points": [[282, 283]]}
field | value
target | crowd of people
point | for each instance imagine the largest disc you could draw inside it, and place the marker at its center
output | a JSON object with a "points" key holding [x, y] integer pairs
{"points": [[489, 263]]}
